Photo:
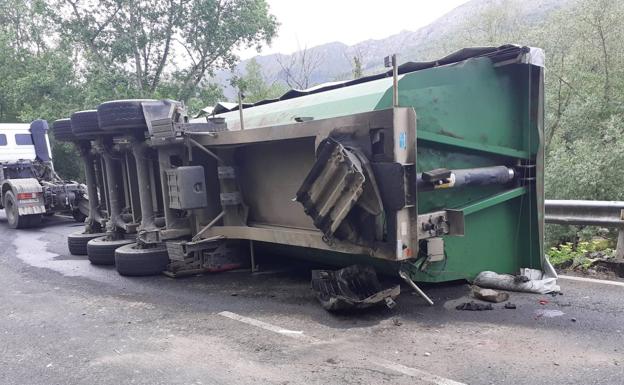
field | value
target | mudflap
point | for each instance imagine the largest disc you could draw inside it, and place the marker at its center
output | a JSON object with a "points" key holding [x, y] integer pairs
{"points": [[354, 287], [29, 195]]}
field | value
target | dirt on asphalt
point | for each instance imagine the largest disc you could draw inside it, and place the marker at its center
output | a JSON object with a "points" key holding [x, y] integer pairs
{"points": [[63, 321]]}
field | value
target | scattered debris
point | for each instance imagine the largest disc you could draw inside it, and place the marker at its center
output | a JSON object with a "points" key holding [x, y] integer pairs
{"points": [[510, 305], [548, 313], [397, 322], [489, 295], [472, 306], [614, 265], [573, 319], [530, 280], [354, 287], [543, 302], [427, 354]]}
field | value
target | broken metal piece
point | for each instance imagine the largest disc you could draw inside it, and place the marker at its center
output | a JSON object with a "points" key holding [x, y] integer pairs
{"points": [[332, 187], [207, 256], [354, 287], [409, 281]]}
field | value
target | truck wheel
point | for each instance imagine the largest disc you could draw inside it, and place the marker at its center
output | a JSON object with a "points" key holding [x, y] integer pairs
{"points": [[101, 251], [132, 260], [62, 130], [122, 114], [77, 242], [84, 124], [15, 220], [78, 216]]}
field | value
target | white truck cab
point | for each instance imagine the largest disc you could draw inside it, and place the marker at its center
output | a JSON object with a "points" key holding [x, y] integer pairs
{"points": [[16, 142], [30, 188]]}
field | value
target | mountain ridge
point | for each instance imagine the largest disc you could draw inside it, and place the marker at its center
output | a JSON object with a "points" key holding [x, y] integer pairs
{"points": [[434, 40]]}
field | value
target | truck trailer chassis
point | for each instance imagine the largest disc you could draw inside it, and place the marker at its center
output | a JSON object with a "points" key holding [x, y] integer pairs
{"points": [[442, 185]]}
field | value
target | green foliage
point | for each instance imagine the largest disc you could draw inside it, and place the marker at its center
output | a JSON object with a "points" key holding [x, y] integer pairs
{"points": [[564, 253], [579, 255], [357, 67], [254, 86], [66, 162], [61, 56], [144, 44]]}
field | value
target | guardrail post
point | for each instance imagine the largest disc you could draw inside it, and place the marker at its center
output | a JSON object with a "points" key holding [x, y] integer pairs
{"points": [[619, 249]]}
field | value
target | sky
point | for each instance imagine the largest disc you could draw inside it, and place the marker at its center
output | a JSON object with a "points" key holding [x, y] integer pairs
{"points": [[308, 23]]}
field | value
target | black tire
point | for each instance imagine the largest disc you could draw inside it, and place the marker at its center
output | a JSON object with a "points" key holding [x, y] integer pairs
{"points": [[62, 130], [77, 242], [102, 251], [15, 220], [84, 124], [131, 260], [122, 114], [78, 216]]}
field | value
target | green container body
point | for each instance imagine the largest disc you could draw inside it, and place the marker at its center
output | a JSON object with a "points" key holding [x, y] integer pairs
{"points": [[469, 114]]}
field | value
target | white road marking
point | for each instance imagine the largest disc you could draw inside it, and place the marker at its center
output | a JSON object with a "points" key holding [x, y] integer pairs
{"points": [[267, 326], [416, 373], [406, 370], [591, 280]]}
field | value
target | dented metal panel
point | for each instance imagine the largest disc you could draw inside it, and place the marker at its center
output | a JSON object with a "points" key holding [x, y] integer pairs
{"points": [[354, 287], [332, 187]]}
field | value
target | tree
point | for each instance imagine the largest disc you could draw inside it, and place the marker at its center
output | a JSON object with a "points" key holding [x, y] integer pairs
{"points": [[498, 23], [298, 69], [357, 66], [254, 86], [139, 37]]}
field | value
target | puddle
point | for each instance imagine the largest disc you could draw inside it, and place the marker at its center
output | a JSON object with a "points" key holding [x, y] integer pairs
{"points": [[33, 251]]}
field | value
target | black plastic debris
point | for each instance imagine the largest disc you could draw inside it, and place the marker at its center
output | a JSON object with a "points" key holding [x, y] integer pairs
{"points": [[472, 306], [354, 287], [510, 305]]}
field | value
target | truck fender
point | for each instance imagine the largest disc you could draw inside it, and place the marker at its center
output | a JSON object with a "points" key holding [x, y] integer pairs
{"points": [[27, 206]]}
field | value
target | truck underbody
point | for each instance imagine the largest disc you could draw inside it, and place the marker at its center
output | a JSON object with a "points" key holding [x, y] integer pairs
{"points": [[437, 174]]}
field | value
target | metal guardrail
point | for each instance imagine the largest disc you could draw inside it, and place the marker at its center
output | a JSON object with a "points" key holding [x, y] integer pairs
{"points": [[590, 213]]}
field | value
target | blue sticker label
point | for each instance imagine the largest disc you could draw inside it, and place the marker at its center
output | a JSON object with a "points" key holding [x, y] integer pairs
{"points": [[402, 141]]}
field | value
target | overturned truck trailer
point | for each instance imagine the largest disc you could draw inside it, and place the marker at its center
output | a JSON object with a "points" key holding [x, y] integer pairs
{"points": [[437, 173], [443, 185]]}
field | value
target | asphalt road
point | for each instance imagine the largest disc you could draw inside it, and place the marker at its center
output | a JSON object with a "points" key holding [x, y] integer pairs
{"points": [[63, 321]]}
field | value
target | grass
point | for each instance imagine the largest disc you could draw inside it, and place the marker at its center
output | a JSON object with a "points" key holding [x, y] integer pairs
{"points": [[581, 255]]}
